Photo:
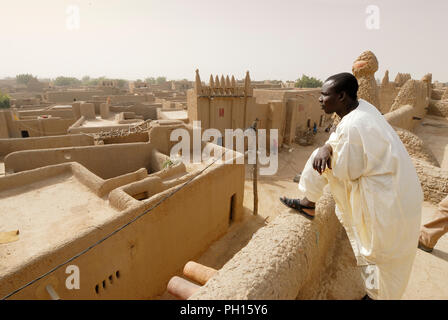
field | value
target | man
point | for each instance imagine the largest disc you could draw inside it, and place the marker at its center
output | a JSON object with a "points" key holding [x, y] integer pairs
{"points": [[432, 231], [374, 184]]}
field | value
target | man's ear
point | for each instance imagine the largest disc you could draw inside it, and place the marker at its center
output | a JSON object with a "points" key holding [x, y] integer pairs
{"points": [[342, 96]]}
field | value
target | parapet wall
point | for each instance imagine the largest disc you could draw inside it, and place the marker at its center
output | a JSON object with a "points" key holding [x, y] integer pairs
{"points": [[409, 106], [387, 95], [434, 181], [402, 117], [148, 110], [64, 113], [438, 108], [70, 96], [415, 94], [286, 259], [106, 161], [18, 144]]}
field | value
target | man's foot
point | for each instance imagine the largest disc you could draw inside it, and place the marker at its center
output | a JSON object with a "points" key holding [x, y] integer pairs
{"points": [[423, 247], [296, 205]]}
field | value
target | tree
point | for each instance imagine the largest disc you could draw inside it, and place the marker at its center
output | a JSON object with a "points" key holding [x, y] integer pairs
{"points": [[4, 101], [150, 80], [85, 80], [66, 81], [25, 78], [308, 82], [121, 83], [161, 80]]}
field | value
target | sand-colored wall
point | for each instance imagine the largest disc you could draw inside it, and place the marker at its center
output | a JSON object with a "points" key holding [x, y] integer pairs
{"points": [[69, 96], [4, 132], [416, 147], [147, 253], [78, 127], [437, 94], [415, 94], [40, 127], [387, 95], [128, 98], [438, 108], [105, 161], [402, 117], [307, 105], [61, 113], [135, 137], [159, 135], [287, 259], [147, 110], [11, 145], [434, 181]]}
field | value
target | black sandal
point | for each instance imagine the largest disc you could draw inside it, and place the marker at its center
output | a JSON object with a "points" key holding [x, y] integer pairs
{"points": [[295, 204]]}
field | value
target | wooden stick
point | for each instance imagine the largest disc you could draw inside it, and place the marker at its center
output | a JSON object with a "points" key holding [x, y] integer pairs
{"points": [[255, 171], [255, 178]]}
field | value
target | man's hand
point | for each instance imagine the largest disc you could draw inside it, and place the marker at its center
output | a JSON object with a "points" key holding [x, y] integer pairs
{"points": [[323, 158]]}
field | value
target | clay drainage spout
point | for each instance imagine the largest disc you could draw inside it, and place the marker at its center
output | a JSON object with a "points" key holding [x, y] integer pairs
{"points": [[184, 289], [198, 272], [181, 288]]}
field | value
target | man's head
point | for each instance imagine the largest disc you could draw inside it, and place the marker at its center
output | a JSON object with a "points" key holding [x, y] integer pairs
{"points": [[338, 92]]}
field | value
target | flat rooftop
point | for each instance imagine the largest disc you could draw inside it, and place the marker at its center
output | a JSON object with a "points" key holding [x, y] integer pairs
{"points": [[109, 122], [48, 213], [174, 115]]}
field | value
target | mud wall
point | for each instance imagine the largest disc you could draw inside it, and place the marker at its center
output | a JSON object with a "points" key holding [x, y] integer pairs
{"points": [[434, 181], [4, 132], [402, 118], [41, 127], [106, 161], [64, 113], [307, 106], [415, 94], [145, 109], [69, 96], [18, 144], [438, 108], [387, 94], [284, 260], [138, 261]]}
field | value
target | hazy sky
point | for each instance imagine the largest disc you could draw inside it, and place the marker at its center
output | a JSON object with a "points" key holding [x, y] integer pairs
{"points": [[275, 39]]}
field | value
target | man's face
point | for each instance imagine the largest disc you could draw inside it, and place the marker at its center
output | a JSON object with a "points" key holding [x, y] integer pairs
{"points": [[329, 98]]}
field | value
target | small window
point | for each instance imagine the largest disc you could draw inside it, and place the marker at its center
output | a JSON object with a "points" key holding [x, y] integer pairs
{"points": [[308, 123], [25, 134]]}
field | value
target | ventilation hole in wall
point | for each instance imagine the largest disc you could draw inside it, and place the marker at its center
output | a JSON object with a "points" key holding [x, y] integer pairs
{"points": [[232, 208], [104, 282], [308, 123], [321, 120]]}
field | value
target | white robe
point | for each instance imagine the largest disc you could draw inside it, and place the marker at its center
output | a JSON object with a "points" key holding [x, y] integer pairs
{"points": [[378, 198]]}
